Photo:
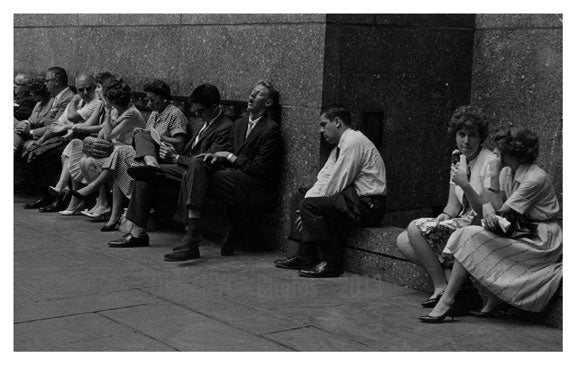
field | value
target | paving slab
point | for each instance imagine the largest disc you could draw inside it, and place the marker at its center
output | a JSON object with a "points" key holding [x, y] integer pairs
{"points": [[34, 310], [314, 339], [186, 330], [226, 309], [52, 334]]}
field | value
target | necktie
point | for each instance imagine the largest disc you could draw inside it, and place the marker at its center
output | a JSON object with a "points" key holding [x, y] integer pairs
{"points": [[250, 126], [337, 153], [202, 130]]}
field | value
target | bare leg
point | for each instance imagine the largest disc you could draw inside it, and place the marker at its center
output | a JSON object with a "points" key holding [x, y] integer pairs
{"points": [[95, 185], [75, 203], [64, 175], [427, 259], [406, 249], [101, 202], [118, 200], [457, 278]]}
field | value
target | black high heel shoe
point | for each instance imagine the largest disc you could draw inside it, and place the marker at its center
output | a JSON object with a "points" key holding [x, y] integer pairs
{"points": [[439, 319], [112, 227], [502, 307], [84, 198], [431, 303]]}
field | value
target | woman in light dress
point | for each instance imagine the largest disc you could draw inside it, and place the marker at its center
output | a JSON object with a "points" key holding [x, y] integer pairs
{"points": [[472, 178], [521, 268]]}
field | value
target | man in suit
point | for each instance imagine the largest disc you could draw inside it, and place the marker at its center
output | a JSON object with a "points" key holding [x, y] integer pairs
{"points": [[57, 85], [213, 136], [243, 179], [350, 191]]}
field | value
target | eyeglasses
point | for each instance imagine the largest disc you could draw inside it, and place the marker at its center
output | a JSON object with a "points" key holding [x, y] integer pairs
{"points": [[150, 100], [86, 89], [199, 111], [48, 80]]}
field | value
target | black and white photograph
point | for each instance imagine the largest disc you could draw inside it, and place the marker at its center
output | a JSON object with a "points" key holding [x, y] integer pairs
{"points": [[324, 180]]}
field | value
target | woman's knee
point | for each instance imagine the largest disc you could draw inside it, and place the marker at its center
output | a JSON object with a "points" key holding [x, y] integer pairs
{"points": [[402, 241]]}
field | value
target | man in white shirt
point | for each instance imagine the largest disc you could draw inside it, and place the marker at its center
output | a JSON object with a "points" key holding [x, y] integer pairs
{"points": [[350, 191]]}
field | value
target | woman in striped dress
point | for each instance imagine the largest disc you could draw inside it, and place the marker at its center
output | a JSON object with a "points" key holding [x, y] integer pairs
{"points": [[520, 269]]}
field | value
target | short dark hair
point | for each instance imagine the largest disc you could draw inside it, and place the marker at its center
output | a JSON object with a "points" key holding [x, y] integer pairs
{"points": [[102, 77], [205, 94], [159, 88], [337, 111], [469, 116], [60, 75], [37, 86], [118, 92], [517, 141]]}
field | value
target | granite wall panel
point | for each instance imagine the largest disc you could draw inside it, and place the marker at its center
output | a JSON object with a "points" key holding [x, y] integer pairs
{"points": [[517, 77], [518, 21], [414, 20], [116, 20], [416, 77], [225, 19], [45, 20]]}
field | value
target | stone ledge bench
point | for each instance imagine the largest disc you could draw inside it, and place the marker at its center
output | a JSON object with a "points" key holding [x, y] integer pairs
{"points": [[372, 252]]}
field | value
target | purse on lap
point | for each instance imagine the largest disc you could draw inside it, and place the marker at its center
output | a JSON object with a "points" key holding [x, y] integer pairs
{"points": [[97, 147]]}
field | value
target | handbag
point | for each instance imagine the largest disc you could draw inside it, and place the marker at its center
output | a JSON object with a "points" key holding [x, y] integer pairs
{"points": [[97, 147]]}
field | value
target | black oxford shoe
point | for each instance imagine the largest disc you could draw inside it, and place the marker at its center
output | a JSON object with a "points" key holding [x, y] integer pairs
{"points": [[130, 241], [183, 255], [294, 263], [38, 203], [322, 270]]}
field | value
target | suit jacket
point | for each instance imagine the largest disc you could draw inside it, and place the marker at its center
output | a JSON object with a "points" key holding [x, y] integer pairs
{"points": [[258, 155], [215, 138], [57, 108]]}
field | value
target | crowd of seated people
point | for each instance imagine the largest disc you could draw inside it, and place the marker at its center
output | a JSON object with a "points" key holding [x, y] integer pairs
{"points": [[89, 151]]}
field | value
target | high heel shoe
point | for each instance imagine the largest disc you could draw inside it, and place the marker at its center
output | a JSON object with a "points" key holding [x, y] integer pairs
{"points": [[83, 197], [58, 192], [112, 227], [502, 307], [439, 319], [431, 302], [73, 211]]}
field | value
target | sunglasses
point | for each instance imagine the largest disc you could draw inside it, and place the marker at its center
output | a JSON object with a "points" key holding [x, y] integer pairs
{"points": [[86, 89]]}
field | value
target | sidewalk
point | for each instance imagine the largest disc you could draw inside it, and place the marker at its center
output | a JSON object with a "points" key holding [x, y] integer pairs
{"points": [[73, 293]]}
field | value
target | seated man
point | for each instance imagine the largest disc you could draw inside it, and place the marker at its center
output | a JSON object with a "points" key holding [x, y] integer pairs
{"points": [[212, 137], [242, 180], [43, 155], [350, 191], [24, 102]]}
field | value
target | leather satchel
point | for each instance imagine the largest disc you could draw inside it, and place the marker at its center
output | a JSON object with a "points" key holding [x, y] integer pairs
{"points": [[97, 147]]}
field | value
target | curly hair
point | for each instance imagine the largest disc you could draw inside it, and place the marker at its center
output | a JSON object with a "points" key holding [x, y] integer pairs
{"points": [[102, 77], [518, 142], [118, 92], [37, 86], [159, 88], [469, 116]]}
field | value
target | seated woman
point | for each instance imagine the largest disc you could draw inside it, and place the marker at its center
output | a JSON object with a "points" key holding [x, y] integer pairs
{"points": [[521, 267], [425, 238], [72, 154], [170, 125], [121, 131]]}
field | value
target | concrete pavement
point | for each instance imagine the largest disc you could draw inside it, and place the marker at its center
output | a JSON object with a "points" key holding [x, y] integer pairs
{"points": [[73, 293]]}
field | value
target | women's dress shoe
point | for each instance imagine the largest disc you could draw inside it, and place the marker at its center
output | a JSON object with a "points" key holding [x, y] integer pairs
{"points": [[295, 263], [72, 212], [502, 308], [102, 217], [190, 253], [38, 203], [143, 173], [57, 192], [322, 270], [112, 227], [439, 319], [130, 241], [83, 197], [431, 302]]}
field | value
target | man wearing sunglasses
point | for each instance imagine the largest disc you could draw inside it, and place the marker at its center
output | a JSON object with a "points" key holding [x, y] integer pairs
{"points": [[44, 154], [165, 166]]}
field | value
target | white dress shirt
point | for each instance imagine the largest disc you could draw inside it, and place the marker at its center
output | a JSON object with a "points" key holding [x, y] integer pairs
{"points": [[359, 163]]}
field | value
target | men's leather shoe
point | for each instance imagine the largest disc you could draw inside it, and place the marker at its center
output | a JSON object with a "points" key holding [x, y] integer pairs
{"points": [[322, 270], [54, 207], [183, 255], [130, 241], [295, 263], [38, 203], [143, 173]]}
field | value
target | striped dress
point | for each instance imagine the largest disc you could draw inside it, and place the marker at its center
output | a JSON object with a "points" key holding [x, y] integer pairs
{"points": [[523, 272]]}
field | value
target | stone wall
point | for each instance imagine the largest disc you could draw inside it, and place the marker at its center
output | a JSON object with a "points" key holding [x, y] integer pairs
{"points": [[415, 69], [232, 51], [517, 77]]}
